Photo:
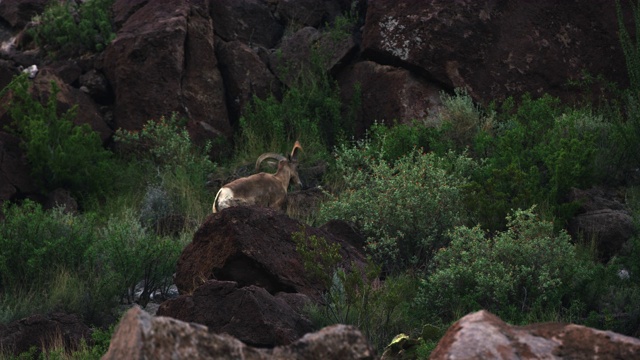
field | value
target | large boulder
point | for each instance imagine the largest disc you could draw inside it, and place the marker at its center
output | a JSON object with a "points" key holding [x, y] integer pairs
{"points": [[163, 61], [68, 97], [482, 335], [141, 336], [43, 332], [253, 246], [309, 12], [497, 49], [602, 217], [249, 21], [19, 13], [245, 76], [250, 314], [388, 94], [15, 174]]}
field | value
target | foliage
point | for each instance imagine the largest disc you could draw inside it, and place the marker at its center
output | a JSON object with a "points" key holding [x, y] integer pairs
{"points": [[61, 154], [538, 151], [36, 243], [525, 269], [164, 148], [403, 207], [630, 48], [130, 255], [378, 308], [68, 28], [320, 257], [462, 121], [311, 110]]}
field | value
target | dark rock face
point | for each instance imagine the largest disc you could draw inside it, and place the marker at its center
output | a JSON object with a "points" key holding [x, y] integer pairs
{"points": [[15, 176], [483, 335], [19, 13], [388, 93], [250, 314], [309, 12], [252, 246], [245, 76], [602, 217], [43, 330], [497, 48], [163, 61], [141, 336], [68, 96], [258, 26]]}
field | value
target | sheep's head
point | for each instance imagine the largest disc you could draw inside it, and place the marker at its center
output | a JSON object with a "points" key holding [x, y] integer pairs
{"points": [[287, 166]]}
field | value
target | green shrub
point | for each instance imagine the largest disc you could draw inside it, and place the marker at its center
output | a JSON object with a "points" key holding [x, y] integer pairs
{"points": [[60, 153], [379, 308], [538, 152], [175, 170], [67, 29], [320, 258], [128, 255], [36, 244], [462, 120], [527, 269], [403, 207]]}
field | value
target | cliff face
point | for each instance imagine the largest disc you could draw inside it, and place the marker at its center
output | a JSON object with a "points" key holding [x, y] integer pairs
{"points": [[207, 59]]}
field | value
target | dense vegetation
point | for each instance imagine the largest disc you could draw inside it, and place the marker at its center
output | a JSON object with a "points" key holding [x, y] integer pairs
{"points": [[458, 216]]}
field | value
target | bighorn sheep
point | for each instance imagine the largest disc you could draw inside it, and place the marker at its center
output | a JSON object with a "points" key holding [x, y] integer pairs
{"points": [[262, 189]]}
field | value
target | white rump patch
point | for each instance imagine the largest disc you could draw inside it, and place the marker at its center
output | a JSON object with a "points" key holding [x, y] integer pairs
{"points": [[223, 199]]}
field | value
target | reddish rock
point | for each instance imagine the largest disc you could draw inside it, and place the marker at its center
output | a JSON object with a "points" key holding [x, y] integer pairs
{"points": [[482, 335], [19, 13], [245, 76], [498, 48], [15, 176], [249, 21], [163, 61], [388, 94], [250, 314], [252, 246], [307, 49], [43, 331], [602, 217], [87, 112], [309, 12], [141, 336]]}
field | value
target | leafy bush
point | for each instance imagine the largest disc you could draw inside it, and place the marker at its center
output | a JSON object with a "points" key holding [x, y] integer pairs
{"points": [[60, 153], [68, 28], [403, 207], [130, 255], [36, 244], [380, 309], [320, 257], [526, 269], [179, 169], [45, 264], [461, 120], [538, 152]]}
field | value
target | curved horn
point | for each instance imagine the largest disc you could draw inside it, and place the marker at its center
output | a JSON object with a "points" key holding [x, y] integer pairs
{"points": [[266, 156], [294, 152]]}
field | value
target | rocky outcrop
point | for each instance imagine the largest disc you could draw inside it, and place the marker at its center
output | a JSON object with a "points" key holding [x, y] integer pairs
{"points": [[141, 336], [253, 246], [19, 13], [15, 175], [245, 76], [163, 61], [602, 217], [482, 335], [43, 331], [249, 314], [388, 94], [497, 49]]}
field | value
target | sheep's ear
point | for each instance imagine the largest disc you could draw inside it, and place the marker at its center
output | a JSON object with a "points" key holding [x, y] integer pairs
{"points": [[294, 152]]}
